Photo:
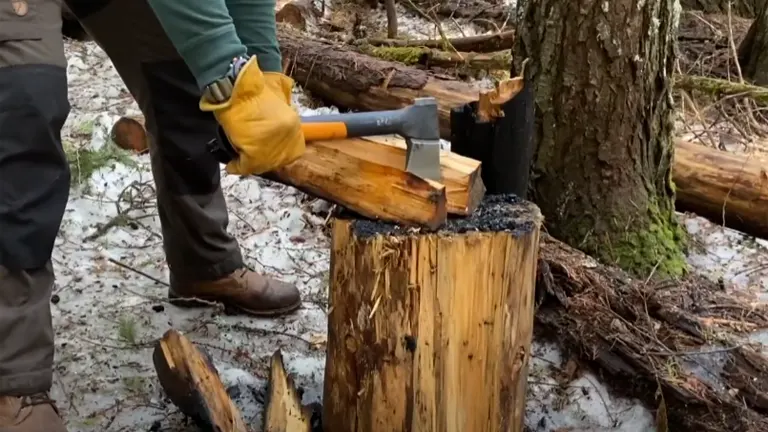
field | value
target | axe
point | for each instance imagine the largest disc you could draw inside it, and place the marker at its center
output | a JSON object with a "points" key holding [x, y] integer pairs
{"points": [[419, 124]]}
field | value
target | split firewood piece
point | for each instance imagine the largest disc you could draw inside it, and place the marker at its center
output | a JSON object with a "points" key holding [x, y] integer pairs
{"points": [[432, 331], [461, 175], [359, 181], [284, 411], [192, 383]]}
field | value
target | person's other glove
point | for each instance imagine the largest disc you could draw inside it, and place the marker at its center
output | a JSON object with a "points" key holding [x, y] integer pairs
{"points": [[263, 129]]}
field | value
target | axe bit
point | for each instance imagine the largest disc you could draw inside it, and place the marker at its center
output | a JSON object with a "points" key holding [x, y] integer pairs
{"points": [[418, 123]]}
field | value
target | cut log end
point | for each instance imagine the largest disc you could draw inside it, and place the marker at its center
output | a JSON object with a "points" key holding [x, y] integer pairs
{"points": [[400, 320], [284, 411], [496, 213], [192, 383], [128, 133]]}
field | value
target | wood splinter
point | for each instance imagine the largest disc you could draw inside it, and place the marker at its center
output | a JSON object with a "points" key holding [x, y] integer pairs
{"points": [[284, 411]]}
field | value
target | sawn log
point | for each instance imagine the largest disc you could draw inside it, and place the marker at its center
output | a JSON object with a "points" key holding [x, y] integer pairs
{"points": [[364, 175], [356, 81], [727, 188]]}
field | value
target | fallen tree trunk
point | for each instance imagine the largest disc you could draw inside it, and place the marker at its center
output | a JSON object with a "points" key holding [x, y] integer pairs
{"points": [[648, 337], [727, 188], [430, 57], [365, 175], [479, 44], [432, 331]]}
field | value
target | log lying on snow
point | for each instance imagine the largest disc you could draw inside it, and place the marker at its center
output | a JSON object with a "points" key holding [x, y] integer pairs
{"points": [[365, 175], [432, 332], [356, 81], [642, 335], [724, 187]]}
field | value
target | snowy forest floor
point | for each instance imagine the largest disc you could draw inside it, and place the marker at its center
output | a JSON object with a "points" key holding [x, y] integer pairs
{"points": [[110, 297]]}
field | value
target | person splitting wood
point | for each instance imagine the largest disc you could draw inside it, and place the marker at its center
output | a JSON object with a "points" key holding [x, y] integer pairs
{"points": [[191, 66]]}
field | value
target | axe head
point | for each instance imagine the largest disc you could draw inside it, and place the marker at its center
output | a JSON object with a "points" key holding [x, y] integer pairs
{"points": [[421, 130]]}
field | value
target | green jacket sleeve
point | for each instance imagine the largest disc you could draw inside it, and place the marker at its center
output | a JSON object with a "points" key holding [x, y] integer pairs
{"points": [[203, 33]]}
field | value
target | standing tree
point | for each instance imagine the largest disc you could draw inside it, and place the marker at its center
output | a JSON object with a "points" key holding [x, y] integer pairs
{"points": [[753, 51], [601, 72]]}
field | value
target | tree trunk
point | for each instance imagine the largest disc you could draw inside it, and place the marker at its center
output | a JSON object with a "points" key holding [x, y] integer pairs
{"points": [[742, 8], [602, 170], [391, 19], [432, 332], [753, 51]]}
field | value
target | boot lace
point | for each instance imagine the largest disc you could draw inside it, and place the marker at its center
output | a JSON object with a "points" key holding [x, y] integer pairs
{"points": [[38, 399]]}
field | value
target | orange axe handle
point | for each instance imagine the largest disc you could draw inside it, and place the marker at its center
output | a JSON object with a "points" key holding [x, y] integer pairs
{"points": [[324, 131]]}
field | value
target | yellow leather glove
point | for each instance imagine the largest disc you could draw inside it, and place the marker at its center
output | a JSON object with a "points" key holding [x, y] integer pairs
{"points": [[264, 130], [279, 84]]}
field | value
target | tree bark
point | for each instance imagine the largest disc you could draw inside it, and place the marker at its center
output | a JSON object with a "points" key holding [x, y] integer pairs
{"points": [[753, 51], [602, 170], [678, 339], [727, 188], [432, 332]]}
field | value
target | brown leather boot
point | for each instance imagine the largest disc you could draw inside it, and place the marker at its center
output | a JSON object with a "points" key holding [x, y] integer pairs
{"points": [[243, 290], [36, 413]]}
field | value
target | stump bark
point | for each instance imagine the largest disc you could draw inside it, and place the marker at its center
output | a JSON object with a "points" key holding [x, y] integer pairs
{"points": [[432, 331]]}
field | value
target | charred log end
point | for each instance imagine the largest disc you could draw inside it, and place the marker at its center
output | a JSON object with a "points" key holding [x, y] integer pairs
{"points": [[192, 383], [420, 322], [497, 130]]}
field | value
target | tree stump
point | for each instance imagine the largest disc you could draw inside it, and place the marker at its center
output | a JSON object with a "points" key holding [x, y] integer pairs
{"points": [[431, 331]]}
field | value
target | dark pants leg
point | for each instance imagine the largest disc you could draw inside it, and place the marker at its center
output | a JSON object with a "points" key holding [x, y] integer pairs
{"points": [[34, 188], [191, 205]]}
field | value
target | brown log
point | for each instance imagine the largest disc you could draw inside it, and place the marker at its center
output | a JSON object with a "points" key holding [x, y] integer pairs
{"points": [[192, 383], [298, 13], [432, 331], [478, 44], [724, 187], [314, 174], [683, 339], [284, 411]]}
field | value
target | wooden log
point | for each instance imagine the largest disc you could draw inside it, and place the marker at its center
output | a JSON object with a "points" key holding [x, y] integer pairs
{"points": [[461, 175], [432, 331], [683, 339], [284, 411], [430, 57], [192, 383], [479, 44], [298, 13], [727, 188]]}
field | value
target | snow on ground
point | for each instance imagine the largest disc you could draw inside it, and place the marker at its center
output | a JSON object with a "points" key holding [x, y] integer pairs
{"points": [[110, 297]]}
